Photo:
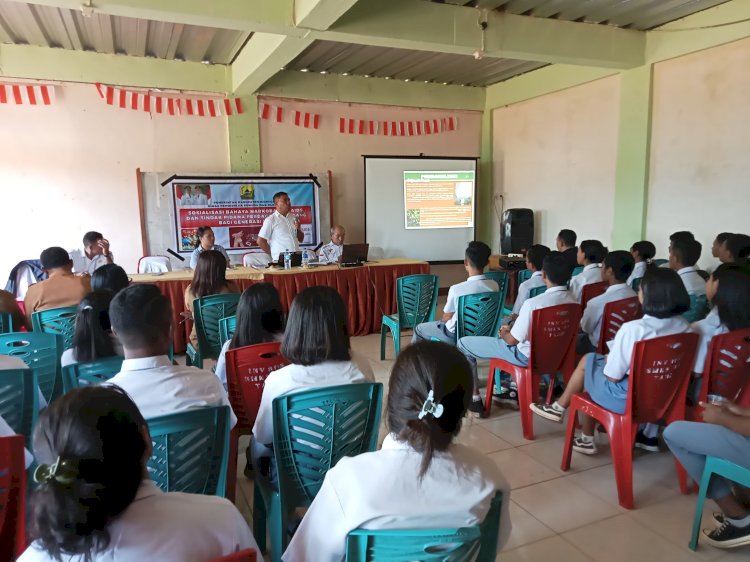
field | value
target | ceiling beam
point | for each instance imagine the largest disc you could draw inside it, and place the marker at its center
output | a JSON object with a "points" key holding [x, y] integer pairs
{"points": [[43, 63]]}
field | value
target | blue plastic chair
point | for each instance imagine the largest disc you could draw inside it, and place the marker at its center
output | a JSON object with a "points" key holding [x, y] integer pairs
{"points": [[537, 291], [698, 308], [501, 278], [466, 544], [312, 431], [6, 323], [19, 402], [577, 271], [191, 451], [227, 327], [41, 352], [635, 284], [94, 372], [207, 312], [416, 296], [524, 275], [61, 321], [715, 466], [659, 262], [478, 315]]}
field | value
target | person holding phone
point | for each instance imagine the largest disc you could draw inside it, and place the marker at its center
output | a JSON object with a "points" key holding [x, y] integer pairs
{"points": [[281, 231]]}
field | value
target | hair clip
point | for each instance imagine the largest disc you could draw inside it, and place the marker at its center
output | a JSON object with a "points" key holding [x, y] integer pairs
{"points": [[431, 407], [62, 471], [88, 307]]}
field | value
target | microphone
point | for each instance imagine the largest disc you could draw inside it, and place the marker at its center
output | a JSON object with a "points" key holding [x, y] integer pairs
{"points": [[318, 247], [175, 254]]}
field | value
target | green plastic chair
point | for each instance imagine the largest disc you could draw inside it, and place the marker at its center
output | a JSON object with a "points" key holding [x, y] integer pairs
{"points": [[312, 431], [524, 275], [207, 312], [577, 270], [501, 278], [19, 402], [60, 321], [478, 315], [94, 372], [635, 284], [416, 296], [466, 544], [191, 451], [719, 467], [659, 262], [6, 323], [41, 352], [537, 291], [227, 327], [698, 308]]}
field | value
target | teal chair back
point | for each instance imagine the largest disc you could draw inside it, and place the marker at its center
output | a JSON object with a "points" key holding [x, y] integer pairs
{"points": [[416, 296], [207, 312], [191, 451], [41, 352], [635, 284], [61, 321], [659, 262], [6, 323], [19, 402], [524, 275], [466, 544], [698, 308], [501, 278], [537, 291], [577, 270], [479, 314], [227, 327], [94, 372]]}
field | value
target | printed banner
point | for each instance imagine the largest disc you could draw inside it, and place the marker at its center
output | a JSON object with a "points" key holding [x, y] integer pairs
{"points": [[235, 211]]}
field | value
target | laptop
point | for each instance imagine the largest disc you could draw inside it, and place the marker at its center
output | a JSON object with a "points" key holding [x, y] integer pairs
{"points": [[296, 259], [354, 254]]}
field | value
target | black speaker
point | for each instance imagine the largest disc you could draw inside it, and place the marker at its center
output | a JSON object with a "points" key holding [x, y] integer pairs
{"points": [[516, 231]]}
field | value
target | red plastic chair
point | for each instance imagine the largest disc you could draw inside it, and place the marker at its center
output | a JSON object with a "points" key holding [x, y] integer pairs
{"points": [[727, 368], [247, 369], [553, 340], [659, 375], [592, 290], [248, 555], [12, 497], [616, 313]]}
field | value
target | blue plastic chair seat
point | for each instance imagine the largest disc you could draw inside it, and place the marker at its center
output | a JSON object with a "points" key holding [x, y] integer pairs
{"points": [[41, 352], [478, 314], [60, 321], [94, 372], [207, 313], [227, 327], [537, 291], [698, 308], [19, 402], [416, 296]]}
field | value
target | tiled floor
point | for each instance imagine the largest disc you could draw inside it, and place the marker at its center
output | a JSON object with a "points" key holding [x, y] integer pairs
{"points": [[573, 516]]}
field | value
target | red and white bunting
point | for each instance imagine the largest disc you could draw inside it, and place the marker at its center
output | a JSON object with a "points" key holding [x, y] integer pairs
{"points": [[306, 119], [268, 111], [397, 128], [170, 105], [27, 94]]}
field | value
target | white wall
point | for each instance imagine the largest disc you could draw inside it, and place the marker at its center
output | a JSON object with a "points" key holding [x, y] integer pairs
{"points": [[556, 154], [699, 147], [70, 167]]}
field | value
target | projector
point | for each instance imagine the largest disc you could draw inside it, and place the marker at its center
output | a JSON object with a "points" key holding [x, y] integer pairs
{"points": [[513, 261]]}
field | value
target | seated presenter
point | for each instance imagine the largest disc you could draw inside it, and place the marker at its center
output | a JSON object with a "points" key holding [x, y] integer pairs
{"points": [[281, 231], [206, 241], [95, 253], [331, 252]]}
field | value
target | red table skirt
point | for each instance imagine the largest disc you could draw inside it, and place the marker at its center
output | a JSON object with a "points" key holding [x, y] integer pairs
{"points": [[368, 293]]}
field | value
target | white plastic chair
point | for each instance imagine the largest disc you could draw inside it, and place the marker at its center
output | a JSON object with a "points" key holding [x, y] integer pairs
{"points": [[154, 264], [256, 259]]}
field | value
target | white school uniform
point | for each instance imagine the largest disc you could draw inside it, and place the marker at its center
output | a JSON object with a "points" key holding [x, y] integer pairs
{"points": [[7, 431], [83, 264], [638, 271], [158, 388], [591, 273], [473, 285], [296, 378], [591, 322], [281, 233], [524, 290], [645, 328], [693, 282], [456, 491], [169, 527], [521, 329], [706, 329]]}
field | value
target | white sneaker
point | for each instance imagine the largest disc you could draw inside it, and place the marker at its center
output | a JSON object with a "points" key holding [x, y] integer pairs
{"points": [[584, 447]]}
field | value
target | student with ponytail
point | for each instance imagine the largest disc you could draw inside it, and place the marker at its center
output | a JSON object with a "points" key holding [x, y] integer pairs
{"points": [[95, 502], [643, 253], [93, 338], [420, 478]]}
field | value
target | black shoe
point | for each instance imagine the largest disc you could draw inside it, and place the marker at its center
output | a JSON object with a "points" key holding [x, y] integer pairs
{"points": [[477, 409], [718, 518], [647, 443], [727, 536], [508, 397]]}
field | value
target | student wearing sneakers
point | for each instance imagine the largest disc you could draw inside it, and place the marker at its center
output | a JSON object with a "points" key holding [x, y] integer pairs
{"points": [[605, 377], [617, 267], [534, 260], [513, 345], [683, 255], [591, 253], [643, 252]]}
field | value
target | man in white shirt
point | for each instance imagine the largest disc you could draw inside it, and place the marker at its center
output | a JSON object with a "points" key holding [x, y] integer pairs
{"points": [[534, 260], [200, 195], [683, 255], [331, 252], [187, 196], [618, 266], [141, 318], [95, 253], [281, 231]]}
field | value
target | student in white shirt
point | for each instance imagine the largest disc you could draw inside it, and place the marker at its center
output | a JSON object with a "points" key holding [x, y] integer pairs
{"points": [[206, 241], [95, 253], [420, 478], [95, 502], [605, 377], [92, 338], [316, 344], [617, 267], [591, 253], [331, 252], [683, 255], [643, 252], [534, 260], [280, 231], [142, 319]]}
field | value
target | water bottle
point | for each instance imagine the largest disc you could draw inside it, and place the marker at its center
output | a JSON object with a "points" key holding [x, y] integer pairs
{"points": [[305, 258], [287, 259]]}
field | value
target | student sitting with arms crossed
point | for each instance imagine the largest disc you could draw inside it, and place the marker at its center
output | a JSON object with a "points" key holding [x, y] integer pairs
{"points": [[591, 253], [534, 260], [605, 377], [643, 252], [420, 478], [617, 267]]}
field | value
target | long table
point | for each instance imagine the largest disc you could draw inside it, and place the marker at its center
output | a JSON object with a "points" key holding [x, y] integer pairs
{"points": [[368, 291]]}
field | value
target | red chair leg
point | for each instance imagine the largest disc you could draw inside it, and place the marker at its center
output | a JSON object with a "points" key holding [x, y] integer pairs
{"points": [[526, 387], [234, 437], [570, 431], [621, 443], [488, 394]]}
